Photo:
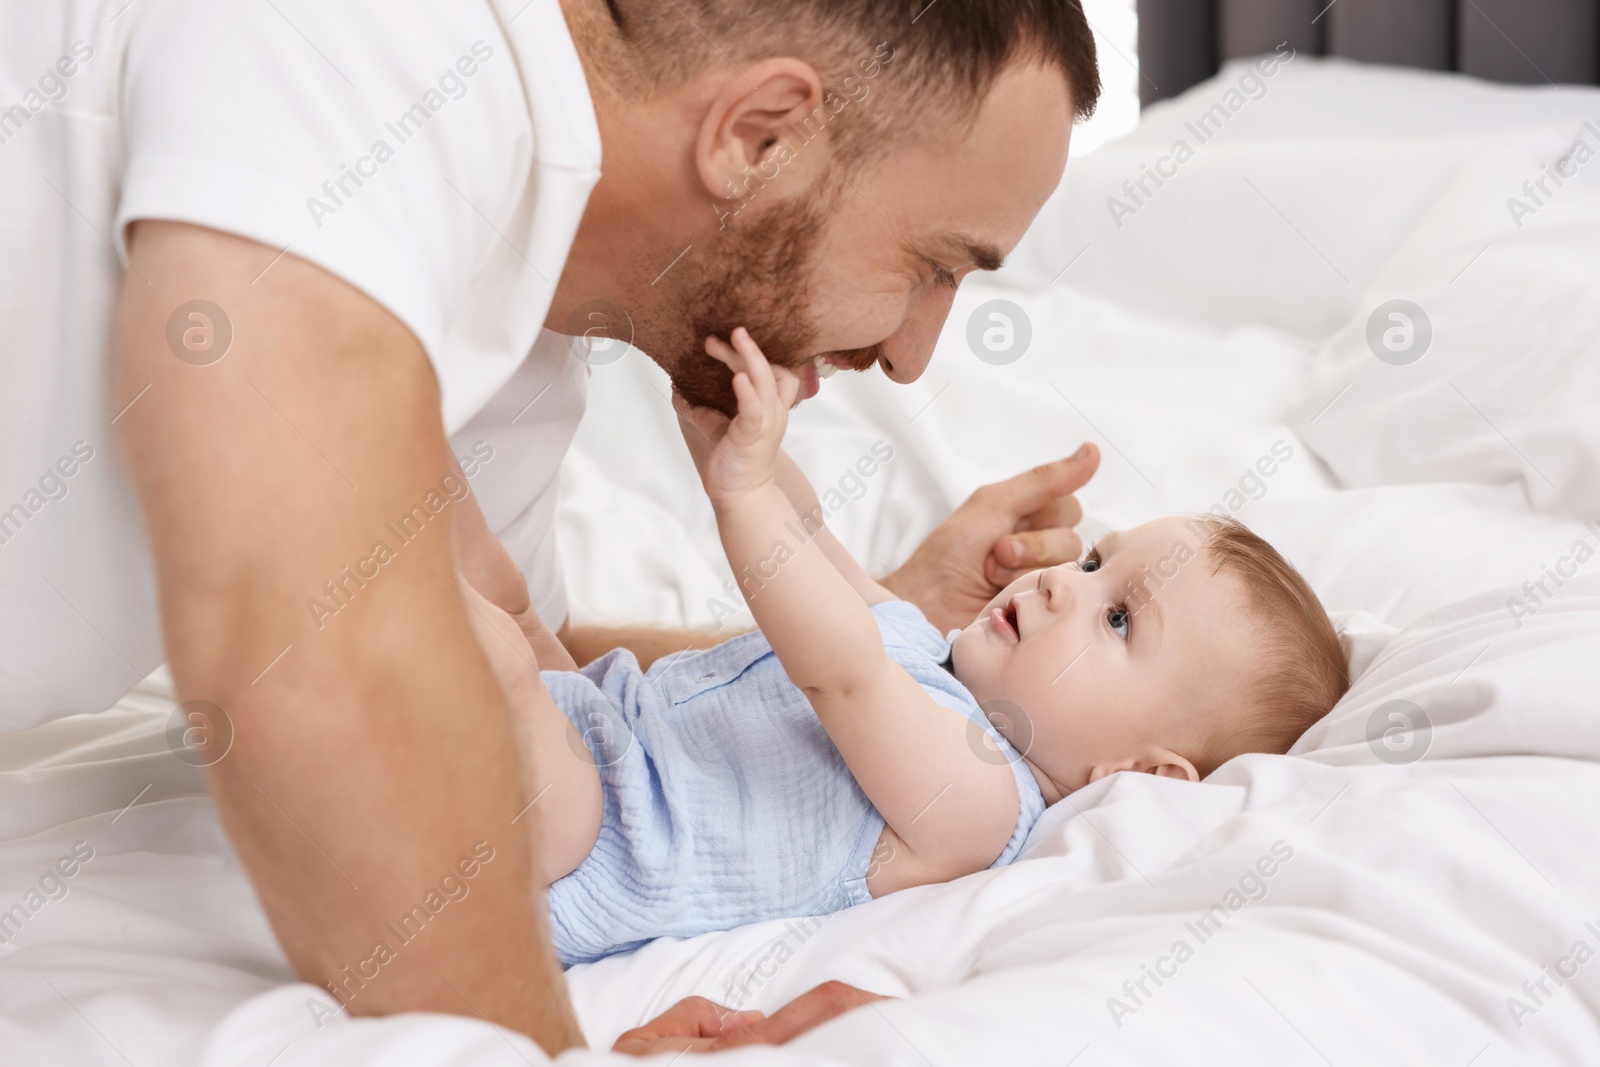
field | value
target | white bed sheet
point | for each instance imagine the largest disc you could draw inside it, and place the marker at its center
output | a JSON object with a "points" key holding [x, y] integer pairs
{"points": [[1417, 898]]}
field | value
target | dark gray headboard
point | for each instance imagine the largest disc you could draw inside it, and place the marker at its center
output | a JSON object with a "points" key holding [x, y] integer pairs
{"points": [[1182, 42]]}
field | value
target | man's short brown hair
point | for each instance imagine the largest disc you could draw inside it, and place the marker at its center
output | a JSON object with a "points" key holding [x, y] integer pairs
{"points": [[946, 53]]}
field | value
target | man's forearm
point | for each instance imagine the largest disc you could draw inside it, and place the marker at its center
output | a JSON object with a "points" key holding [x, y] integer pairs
{"points": [[370, 784], [647, 643], [372, 788]]}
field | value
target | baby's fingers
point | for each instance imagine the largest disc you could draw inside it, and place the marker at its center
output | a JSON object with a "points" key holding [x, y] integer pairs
{"points": [[788, 386], [752, 413], [761, 394], [724, 353], [755, 362]]}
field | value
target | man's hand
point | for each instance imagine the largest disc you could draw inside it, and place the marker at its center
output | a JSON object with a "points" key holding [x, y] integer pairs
{"points": [[1002, 529], [696, 1024]]}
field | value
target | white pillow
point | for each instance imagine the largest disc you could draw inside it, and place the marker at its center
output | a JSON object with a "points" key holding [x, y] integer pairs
{"points": [[1277, 233], [1457, 599], [1343, 158], [1481, 616], [1475, 353], [1400, 552], [1342, 98], [1478, 677]]}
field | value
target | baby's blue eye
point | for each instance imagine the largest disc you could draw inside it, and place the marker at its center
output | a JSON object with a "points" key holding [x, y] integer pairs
{"points": [[1118, 618]]}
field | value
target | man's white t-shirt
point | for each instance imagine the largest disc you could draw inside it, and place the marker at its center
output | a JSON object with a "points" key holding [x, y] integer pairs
{"points": [[436, 154]]}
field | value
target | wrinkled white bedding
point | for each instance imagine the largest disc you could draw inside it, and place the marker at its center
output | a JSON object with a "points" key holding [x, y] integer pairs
{"points": [[1350, 903]]}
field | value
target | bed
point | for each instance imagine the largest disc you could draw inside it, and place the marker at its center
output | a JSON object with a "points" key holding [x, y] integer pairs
{"points": [[1416, 882]]}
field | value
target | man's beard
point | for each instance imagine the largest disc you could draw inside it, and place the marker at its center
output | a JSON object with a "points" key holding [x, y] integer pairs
{"points": [[758, 276]]}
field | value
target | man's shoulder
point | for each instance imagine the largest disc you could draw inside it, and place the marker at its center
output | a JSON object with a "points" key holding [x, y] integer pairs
{"points": [[390, 145]]}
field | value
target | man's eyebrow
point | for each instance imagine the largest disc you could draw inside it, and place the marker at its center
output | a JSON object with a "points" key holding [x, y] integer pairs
{"points": [[980, 254]]}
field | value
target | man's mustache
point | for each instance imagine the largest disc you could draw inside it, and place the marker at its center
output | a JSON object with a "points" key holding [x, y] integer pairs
{"points": [[857, 359]]}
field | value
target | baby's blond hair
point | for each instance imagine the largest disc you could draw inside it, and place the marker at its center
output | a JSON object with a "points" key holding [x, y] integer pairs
{"points": [[1303, 670]]}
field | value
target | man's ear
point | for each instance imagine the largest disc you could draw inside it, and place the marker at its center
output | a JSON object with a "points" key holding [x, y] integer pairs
{"points": [[756, 119]]}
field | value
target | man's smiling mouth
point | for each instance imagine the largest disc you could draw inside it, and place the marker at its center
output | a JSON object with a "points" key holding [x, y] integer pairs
{"points": [[826, 365]]}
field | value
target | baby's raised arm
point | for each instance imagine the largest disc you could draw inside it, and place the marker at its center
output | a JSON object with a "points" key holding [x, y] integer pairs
{"points": [[952, 811], [803, 498]]}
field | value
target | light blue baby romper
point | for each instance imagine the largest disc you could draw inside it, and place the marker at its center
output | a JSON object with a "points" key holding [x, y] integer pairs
{"points": [[725, 801]]}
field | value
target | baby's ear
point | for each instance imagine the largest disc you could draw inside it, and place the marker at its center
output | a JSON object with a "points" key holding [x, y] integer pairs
{"points": [[1168, 764]]}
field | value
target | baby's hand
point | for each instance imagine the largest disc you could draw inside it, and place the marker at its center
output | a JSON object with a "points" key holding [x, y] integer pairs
{"points": [[739, 455]]}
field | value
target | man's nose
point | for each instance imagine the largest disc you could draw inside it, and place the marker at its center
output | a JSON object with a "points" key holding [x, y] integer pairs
{"points": [[906, 352]]}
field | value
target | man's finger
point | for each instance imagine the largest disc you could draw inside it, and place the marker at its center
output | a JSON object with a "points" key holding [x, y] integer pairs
{"points": [[1038, 548], [691, 1017], [1062, 511], [811, 1009], [1033, 489], [1028, 551]]}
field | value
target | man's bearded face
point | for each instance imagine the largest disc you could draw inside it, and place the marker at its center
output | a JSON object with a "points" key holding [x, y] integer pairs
{"points": [[757, 275]]}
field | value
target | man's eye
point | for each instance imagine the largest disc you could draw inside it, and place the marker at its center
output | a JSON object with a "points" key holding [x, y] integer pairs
{"points": [[944, 277], [1120, 622]]}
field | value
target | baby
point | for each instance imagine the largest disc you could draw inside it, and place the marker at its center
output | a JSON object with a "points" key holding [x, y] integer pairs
{"points": [[847, 749]]}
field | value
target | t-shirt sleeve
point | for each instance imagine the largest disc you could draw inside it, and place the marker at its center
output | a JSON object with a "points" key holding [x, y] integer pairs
{"points": [[378, 141]]}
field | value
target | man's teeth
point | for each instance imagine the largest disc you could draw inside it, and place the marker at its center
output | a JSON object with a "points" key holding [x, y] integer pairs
{"points": [[824, 368]]}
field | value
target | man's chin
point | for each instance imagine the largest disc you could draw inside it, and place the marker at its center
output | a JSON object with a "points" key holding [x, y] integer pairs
{"points": [[701, 393]]}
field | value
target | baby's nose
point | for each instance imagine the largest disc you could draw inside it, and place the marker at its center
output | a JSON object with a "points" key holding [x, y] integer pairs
{"points": [[1056, 585]]}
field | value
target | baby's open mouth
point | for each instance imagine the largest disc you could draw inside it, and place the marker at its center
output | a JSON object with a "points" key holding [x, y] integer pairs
{"points": [[1005, 619]]}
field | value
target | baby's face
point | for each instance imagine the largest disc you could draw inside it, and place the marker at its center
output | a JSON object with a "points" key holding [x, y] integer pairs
{"points": [[1103, 665]]}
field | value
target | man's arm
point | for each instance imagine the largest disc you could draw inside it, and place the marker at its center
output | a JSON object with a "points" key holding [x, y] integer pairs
{"points": [[372, 749], [648, 643]]}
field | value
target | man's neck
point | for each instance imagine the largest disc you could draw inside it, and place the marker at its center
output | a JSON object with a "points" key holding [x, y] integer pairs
{"points": [[641, 213]]}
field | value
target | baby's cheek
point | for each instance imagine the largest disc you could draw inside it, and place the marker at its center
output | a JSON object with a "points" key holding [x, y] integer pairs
{"points": [[1040, 677], [972, 666], [1048, 678]]}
